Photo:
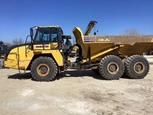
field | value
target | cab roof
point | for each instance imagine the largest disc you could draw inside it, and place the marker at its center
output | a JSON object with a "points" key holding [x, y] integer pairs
{"points": [[47, 27]]}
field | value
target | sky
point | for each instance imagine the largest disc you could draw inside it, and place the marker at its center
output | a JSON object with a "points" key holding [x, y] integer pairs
{"points": [[113, 16]]}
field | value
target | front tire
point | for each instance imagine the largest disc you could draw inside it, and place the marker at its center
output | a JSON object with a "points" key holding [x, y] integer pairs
{"points": [[136, 67], [111, 67], [44, 69]]}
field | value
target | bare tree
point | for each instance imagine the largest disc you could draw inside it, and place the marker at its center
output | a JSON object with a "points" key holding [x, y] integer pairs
{"points": [[17, 41], [131, 32]]}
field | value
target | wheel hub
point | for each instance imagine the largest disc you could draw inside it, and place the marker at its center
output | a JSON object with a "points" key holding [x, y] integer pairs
{"points": [[139, 67], [113, 68], [43, 69]]}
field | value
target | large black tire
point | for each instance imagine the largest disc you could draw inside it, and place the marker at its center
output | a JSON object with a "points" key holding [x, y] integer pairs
{"points": [[111, 67], [44, 69], [136, 67]]}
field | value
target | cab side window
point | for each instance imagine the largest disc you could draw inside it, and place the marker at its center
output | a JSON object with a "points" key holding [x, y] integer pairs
{"points": [[54, 37], [46, 35], [42, 35]]}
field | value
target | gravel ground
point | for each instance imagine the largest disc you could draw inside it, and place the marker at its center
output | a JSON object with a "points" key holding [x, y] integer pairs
{"points": [[75, 93]]}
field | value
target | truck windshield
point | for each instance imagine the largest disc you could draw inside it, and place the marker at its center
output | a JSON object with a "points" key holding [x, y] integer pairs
{"points": [[46, 35]]}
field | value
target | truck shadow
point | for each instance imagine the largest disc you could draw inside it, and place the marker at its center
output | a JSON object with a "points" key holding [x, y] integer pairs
{"points": [[81, 73], [84, 73], [20, 76], [71, 73]]}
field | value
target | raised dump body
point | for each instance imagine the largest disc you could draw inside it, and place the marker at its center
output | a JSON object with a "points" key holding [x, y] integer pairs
{"points": [[100, 46]]}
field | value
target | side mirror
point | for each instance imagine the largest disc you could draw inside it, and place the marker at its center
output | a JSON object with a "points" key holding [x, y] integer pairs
{"points": [[31, 32]]}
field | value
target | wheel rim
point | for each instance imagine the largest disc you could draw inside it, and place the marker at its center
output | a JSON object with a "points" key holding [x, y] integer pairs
{"points": [[43, 70], [113, 68], [139, 67]]}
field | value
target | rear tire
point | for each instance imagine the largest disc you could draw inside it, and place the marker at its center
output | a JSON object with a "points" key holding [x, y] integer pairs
{"points": [[111, 67], [44, 69], [136, 67]]}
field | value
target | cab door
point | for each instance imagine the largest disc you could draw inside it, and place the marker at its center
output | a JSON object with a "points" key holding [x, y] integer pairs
{"points": [[46, 38]]}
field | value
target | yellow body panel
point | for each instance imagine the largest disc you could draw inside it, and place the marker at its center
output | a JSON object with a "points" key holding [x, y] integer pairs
{"points": [[20, 57]]}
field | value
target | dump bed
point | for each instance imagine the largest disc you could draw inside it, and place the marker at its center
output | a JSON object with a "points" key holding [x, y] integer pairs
{"points": [[128, 45]]}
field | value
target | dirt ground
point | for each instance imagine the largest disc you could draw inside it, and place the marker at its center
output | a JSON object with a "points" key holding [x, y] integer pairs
{"points": [[75, 93]]}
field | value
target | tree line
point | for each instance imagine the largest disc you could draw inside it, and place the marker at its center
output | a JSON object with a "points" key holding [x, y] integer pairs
{"points": [[16, 41]]}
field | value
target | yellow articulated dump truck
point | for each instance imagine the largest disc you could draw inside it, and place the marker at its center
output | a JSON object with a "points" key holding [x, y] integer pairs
{"points": [[47, 55]]}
